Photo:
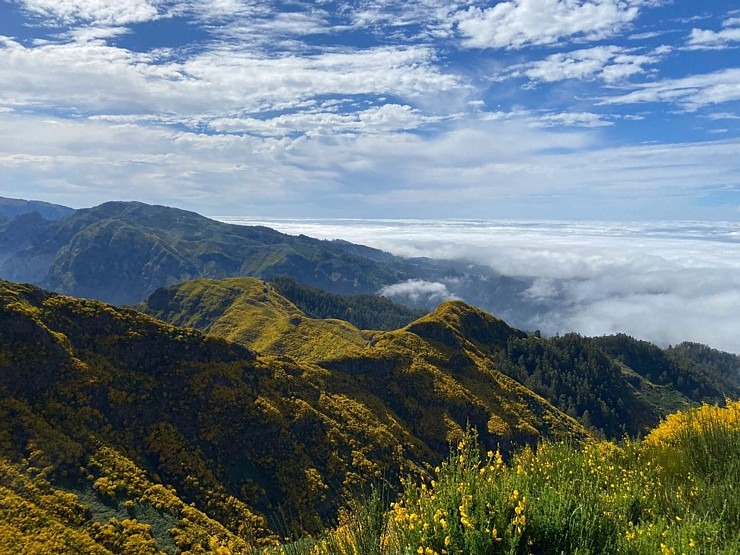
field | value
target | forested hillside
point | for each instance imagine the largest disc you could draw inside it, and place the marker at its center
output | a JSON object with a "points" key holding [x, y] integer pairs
{"points": [[122, 430], [121, 252], [615, 385]]}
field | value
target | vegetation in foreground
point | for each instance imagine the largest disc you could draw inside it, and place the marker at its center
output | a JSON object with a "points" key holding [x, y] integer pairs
{"points": [[675, 492], [127, 435], [109, 414]]}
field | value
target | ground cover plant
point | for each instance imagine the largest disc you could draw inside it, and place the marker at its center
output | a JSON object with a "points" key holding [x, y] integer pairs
{"points": [[675, 492]]}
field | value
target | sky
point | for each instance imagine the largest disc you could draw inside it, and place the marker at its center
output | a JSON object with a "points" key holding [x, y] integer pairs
{"points": [[666, 282], [621, 110]]}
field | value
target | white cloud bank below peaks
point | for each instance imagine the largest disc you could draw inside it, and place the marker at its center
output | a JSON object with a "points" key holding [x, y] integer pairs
{"points": [[664, 282]]}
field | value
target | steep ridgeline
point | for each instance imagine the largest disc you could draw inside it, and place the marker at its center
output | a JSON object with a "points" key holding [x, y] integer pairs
{"points": [[119, 429], [611, 384], [121, 252], [11, 207]]}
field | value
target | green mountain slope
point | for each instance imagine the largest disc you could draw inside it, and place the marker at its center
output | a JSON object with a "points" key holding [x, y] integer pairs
{"points": [[121, 252], [430, 374], [112, 414], [711, 361], [369, 312], [11, 207], [616, 385], [251, 312]]}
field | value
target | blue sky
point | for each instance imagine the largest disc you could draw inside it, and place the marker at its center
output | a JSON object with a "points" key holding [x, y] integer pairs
{"points": [[534, 109]]}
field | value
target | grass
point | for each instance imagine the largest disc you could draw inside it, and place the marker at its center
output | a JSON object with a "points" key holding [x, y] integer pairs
{"points": [[675, 492]]}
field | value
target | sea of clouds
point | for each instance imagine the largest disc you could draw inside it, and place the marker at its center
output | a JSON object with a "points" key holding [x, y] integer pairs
{"points": [[666, 282]]}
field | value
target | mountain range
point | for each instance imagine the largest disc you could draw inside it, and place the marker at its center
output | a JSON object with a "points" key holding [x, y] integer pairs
{"points": [[231, 411], [10, 207], [121, 252], [268, 416], [102, 399]]}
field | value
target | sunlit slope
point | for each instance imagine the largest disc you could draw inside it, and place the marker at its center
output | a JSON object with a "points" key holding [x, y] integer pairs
{"points": [[616, 385], [122, 409], [235, 434], [430, 373], [676, 492], [251, 312]]}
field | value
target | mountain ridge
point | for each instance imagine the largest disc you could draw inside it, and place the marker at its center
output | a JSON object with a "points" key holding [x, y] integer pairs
{"points": [[582, 376], [142, 418], [121, 252], [11, 207]]}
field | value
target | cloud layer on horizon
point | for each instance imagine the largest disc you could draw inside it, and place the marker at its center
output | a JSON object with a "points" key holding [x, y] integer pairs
{"points": [[664, 282]]}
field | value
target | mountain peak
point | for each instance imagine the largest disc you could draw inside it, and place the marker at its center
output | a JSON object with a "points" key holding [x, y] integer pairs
{"points": [[10, 207], [453, 320]]}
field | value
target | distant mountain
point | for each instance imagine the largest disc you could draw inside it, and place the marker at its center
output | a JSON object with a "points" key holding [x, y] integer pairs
{"points": [[11, 207], [617, 385], [119, 428], [121, 252]]}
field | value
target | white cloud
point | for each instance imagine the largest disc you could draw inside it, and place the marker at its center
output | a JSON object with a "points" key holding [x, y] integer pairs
{"points": [[105, 12], [221, 82], [272, 102], [364, 161], [665, 282], [99, 160], [519, 23], [545, 118], [704, 39], [377, 119], [692, 92], [723, 115], [607, 63], [418, 290], [389, 16]]}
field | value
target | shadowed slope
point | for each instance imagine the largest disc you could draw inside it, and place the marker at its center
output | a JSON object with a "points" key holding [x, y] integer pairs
{"points": [[123, 251]]}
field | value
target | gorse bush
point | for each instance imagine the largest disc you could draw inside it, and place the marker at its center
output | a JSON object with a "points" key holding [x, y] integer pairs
{"points": [[674, 493]]}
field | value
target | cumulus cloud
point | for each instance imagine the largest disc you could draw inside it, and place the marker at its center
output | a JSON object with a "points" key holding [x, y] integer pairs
{"points": [[704, 39], [607, 63], [222, 82], [520, 23], [107, 12], [366, 107], [418, 291], [664, 282], [472, 169]]}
